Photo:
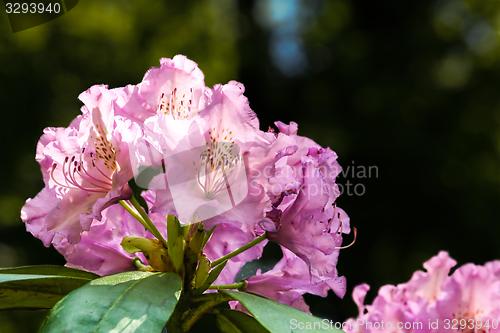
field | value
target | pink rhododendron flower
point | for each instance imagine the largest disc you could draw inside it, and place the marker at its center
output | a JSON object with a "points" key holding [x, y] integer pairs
{"points": [[176, 88], [232, 138], [198, 141], [166, 101], [85, 168], [470, 297], [299, 179], [202, 157]]}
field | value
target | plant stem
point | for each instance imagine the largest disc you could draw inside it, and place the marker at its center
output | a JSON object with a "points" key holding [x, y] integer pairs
{"points": [[191, 317], [237, 285], [147, 221], [132, 212], [239, 250]]}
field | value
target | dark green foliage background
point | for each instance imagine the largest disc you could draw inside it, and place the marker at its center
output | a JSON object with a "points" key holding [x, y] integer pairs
{"points": [[411, 87]]}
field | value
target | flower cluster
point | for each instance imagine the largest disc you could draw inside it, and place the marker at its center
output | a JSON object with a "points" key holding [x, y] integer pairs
{"points": [[468, 300], [199, 154]]}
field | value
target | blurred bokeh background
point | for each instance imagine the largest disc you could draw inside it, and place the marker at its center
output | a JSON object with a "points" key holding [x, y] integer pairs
{"points": [[408, 88]]}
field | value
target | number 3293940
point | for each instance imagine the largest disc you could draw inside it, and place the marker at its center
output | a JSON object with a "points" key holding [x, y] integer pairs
{"points": [[32, 8]]}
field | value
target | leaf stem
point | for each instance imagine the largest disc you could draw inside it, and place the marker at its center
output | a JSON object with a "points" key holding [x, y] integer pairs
{"points": [[239, 250], [151, 227], [237, 285], [140, 215], [132, 212]]}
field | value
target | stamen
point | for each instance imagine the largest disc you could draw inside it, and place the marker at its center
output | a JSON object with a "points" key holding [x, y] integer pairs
{"points": [[177, 103], [89, 177], [72, 180], [54, 166], [75, 173], [216, 161], [355, 233], [99, 169], [228, 188]]}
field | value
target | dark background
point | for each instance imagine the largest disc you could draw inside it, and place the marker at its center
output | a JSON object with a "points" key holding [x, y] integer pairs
{"points": [[410, 88]]}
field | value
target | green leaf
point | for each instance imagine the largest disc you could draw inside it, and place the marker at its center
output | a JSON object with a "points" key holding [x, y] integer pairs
{"points": [[125, 302], [175, 240], [279, 318], [48, 270], [201, 274], [207, 234], [38, 287], [212, 276], [229, 321], [196, 242]]}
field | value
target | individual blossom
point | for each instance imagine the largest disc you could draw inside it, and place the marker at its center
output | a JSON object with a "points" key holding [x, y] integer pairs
{"points": [[433, 300], [85, 168], [233, 141], [298, 177], [195, 146], [167, 102], [176, 89]]}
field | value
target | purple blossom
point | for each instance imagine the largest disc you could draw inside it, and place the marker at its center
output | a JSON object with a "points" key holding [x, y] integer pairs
{"points": [[209, 162], [85, 168], [471, 294], [202, 138], [299, 176]]}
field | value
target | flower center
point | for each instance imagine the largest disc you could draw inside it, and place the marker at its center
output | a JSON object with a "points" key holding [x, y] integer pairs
{"points": [[104, 149], [178, 103], [88, 171], [217, 162]]}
